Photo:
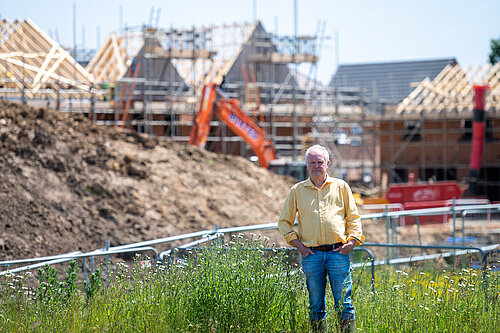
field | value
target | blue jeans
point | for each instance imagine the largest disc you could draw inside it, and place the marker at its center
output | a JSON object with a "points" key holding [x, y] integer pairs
{"points": [[338, 268]]}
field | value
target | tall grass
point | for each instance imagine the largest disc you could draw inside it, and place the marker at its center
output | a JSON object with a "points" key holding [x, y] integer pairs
{"points": [[412, 300], [226, 287], [239, 287]]}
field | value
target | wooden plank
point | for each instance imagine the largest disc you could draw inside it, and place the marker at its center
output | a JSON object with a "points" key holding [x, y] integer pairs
{"points": [[181, 54], [79, 69], [280, 58], [45, 63], [109, 63], [117, 52], [452, 90]]}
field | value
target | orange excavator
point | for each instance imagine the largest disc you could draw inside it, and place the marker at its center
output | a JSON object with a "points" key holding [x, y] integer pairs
{"points": [[228, 110]]}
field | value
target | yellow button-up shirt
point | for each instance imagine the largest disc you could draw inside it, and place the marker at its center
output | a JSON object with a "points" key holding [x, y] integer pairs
{"points": [[326, 216]]}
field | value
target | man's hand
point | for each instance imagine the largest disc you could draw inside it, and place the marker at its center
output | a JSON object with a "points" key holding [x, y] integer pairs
{"points": [[347, 247], [304, 250]]}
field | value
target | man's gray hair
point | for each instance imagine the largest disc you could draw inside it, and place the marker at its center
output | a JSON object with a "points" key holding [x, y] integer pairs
{"points": [[325, 152]]}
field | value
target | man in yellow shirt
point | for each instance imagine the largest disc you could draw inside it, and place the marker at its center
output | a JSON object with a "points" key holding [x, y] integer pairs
{"points": [[329, 228]]}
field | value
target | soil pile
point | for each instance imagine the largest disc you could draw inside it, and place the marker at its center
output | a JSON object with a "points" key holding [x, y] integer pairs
{"points": [[67, 184]]}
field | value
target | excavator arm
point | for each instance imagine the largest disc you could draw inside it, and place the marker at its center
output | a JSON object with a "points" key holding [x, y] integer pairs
{"points": [[201, 124], [229, 111]]}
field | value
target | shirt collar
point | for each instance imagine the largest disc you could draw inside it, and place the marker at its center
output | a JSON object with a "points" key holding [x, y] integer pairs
{"points": [[309, 183]]}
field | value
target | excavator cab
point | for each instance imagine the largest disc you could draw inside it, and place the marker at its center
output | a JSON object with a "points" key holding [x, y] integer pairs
{"points": [[289, 167]]}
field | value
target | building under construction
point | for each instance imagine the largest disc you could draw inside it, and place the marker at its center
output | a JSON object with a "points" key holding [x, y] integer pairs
{"points": [[380, 121]]}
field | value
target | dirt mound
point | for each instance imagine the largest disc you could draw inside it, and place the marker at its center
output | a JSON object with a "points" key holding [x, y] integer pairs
{"points": [[67, 184]]}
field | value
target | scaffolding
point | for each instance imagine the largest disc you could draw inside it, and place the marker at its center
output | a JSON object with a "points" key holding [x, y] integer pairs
{"points": [[149, 79]]}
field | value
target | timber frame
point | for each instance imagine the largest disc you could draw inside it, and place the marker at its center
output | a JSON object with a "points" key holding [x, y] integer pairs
{"points": [[31, 62]]}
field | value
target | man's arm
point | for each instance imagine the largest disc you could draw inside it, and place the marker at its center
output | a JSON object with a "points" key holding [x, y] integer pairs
{"points": [[352, 218], [287, 218], [285, 224]]}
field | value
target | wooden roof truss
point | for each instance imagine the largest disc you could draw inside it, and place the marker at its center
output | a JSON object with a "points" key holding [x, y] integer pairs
{"points": [[31, 60], [110, 62], [453, 91]]}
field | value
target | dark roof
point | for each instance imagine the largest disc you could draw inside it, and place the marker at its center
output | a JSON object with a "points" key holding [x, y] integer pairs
{"points": [[388, 82]]}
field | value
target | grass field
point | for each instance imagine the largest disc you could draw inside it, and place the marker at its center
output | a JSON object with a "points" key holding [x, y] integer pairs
{"points": [[238, 287]]}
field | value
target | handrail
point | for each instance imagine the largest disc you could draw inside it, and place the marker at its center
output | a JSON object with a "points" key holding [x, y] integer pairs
{"points": [[274, 225], [370, 254], [68, 257], [210, 234], [429, 211], [485, 251]]}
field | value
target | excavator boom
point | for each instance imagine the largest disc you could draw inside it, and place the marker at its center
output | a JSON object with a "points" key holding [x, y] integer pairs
{"points": [[229, 111], [201, 124]]}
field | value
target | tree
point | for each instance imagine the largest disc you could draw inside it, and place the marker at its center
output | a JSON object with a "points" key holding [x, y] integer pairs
{"points": [[495, 51]]}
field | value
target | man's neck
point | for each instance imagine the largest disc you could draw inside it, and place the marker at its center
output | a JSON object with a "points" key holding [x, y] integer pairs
{"points": [[319, 181]]}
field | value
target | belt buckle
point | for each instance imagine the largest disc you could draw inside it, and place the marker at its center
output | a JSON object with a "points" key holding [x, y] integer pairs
{"points": [[324, 248]]}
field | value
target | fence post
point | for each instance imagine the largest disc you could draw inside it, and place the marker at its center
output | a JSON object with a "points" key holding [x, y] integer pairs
{"points": [[387, 221], [454, 214], [58, 97], [92, 104], [107, 263], [85, 270], [395, 221], [464, 213], [417, 221], [23, 94]]}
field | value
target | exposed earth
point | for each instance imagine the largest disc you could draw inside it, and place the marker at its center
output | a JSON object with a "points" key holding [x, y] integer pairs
{"points": [[67, 185]]}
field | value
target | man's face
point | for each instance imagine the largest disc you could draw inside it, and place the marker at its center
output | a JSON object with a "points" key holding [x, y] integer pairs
{"points": [[316, 164]]}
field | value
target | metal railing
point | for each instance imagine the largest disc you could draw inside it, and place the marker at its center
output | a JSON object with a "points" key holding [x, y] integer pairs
{"points": [[208, 235]]}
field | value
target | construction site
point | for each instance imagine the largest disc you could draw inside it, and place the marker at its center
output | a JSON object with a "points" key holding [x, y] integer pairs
{"points": [[236, 90]]}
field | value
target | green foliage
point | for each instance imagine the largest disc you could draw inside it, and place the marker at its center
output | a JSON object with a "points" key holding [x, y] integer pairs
{"points": [[413, 300], [94, 285], [48, 285], [234, 287], [71, 277], [239, 287], [494, 55]]}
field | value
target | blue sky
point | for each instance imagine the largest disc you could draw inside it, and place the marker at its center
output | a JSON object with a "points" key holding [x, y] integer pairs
{"points": [[368, 30]]}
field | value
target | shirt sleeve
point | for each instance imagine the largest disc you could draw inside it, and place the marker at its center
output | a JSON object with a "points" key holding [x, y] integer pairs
{"points": [[352, 217], [287, 217]]}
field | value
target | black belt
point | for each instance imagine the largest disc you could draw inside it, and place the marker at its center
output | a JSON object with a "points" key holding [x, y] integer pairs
{"points": [[327, 247]]}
